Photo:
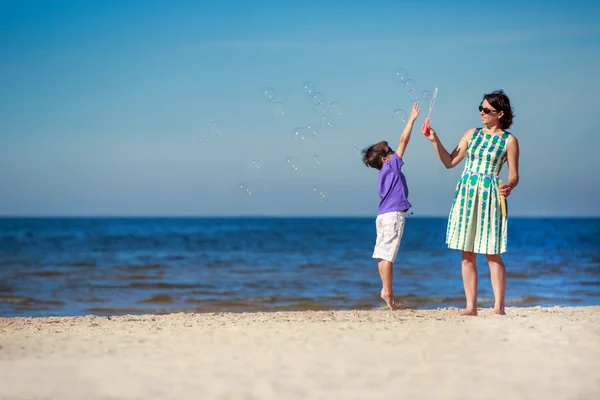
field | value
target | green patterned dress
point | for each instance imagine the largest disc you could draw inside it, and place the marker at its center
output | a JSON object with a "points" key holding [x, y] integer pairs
{"points": [[476, 223]]}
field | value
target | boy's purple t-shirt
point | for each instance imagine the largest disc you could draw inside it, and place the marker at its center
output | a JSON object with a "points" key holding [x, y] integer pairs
{"points": [[393, 190]]}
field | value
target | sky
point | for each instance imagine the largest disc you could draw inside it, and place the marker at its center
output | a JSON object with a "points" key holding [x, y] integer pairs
{"points": [[106, 107]]}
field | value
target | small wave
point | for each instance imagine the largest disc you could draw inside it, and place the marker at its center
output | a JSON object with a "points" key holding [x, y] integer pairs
{"points": [[422, 300], [166, 285], [593, 270], [16, 299], [81, 264], [6, 289], [524, 300], [583, 294], [588, 283], [533, 273], [155, 285], [217, 264], [30, 301], [121, 311], [91, 300], [46, 274], [137, 277], [158, 299], [309, 266], [140, 267]]}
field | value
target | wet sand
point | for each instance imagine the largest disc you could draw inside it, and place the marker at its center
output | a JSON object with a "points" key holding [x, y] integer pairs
{"points": [[532, 353]]}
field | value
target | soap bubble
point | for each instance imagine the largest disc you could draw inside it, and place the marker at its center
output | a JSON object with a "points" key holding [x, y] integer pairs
{"points": [[312, 131], [316, 159], [319, 193], [427, 95], [414, 96], [278, 108], [321, 107], [309, 87], [326, 120], [357, 150], [400, 75], [400, 116], [336, 108], [409, 85], [300, 135], [256, 163], [202, 142], [292, 163], [317, 98], [269, 93], [245, 189], [216, 128]]}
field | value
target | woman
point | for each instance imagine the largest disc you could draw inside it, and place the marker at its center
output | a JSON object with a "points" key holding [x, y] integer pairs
{"points": [[476, 224]]}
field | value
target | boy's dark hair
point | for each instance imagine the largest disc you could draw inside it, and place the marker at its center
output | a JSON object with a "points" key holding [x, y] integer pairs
{"points": [[372, 155], [500, 101]]}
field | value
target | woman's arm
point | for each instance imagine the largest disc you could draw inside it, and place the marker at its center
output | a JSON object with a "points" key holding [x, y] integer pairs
{"points": [[512, 158], [450, 160]]}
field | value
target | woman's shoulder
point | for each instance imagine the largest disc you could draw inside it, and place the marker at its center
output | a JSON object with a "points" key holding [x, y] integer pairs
{"points": [[471, 132], [511, 140], [510, 136]]}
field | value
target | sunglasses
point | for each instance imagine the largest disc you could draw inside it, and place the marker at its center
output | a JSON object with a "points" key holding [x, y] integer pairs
{"points": [[487, 110], [390, 151]]}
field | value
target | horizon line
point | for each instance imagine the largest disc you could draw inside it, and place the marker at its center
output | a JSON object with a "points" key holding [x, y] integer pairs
{"points": [[256, 216]]}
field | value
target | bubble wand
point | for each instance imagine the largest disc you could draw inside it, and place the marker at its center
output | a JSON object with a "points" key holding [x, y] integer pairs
{"points": [[426, 130]]}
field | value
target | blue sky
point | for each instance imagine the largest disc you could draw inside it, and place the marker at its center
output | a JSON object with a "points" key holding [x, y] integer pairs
{"points": [[106, 106]]}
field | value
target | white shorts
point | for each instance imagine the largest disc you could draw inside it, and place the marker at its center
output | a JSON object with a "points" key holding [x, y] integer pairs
{"points": [[390, 228]]}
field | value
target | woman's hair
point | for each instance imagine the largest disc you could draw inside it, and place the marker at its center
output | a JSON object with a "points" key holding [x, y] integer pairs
{"points": [[500, 101], [373, 154]]}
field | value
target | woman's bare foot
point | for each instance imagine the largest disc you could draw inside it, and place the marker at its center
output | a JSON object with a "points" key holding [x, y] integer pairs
{"points": [[467, 312], [389, 299], [499, 311]]}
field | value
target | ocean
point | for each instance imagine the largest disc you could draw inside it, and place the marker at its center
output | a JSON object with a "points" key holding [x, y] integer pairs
{"points": [[116, 266]]}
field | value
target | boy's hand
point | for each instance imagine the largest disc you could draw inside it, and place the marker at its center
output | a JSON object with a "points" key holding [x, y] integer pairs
{"points": [[414, 113]]}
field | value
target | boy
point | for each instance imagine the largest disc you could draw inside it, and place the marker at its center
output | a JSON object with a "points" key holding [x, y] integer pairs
{"points": [[393, 205]]}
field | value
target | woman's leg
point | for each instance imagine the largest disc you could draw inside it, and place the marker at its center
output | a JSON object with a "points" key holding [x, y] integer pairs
{"points": [[469, 275], [386, 272], [498, 277]]}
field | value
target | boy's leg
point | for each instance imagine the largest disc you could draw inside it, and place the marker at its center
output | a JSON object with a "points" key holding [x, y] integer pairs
{"points": [[390, 228], [386, 272]]}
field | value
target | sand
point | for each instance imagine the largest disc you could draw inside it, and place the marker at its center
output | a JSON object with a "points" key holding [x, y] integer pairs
{"points": [[533, 353]]}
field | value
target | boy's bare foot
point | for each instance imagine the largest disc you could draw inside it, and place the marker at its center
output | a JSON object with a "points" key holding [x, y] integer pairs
{"points": [[389, 299], [470, 313], [499, 311]]}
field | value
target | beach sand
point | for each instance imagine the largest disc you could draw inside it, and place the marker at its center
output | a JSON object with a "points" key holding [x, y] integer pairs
{"points": [[533, 353]]}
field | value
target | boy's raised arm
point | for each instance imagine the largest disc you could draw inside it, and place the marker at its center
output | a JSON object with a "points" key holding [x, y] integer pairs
{"points": [[405, 136]]}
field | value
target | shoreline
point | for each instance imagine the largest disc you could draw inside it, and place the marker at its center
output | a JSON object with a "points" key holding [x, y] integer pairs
{"points": [[534, 353], [245, 306], [405, 310]]}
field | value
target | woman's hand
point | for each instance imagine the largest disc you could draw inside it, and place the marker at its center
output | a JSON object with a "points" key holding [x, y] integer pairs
{"points": [[505, 190], [429, 133]]}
